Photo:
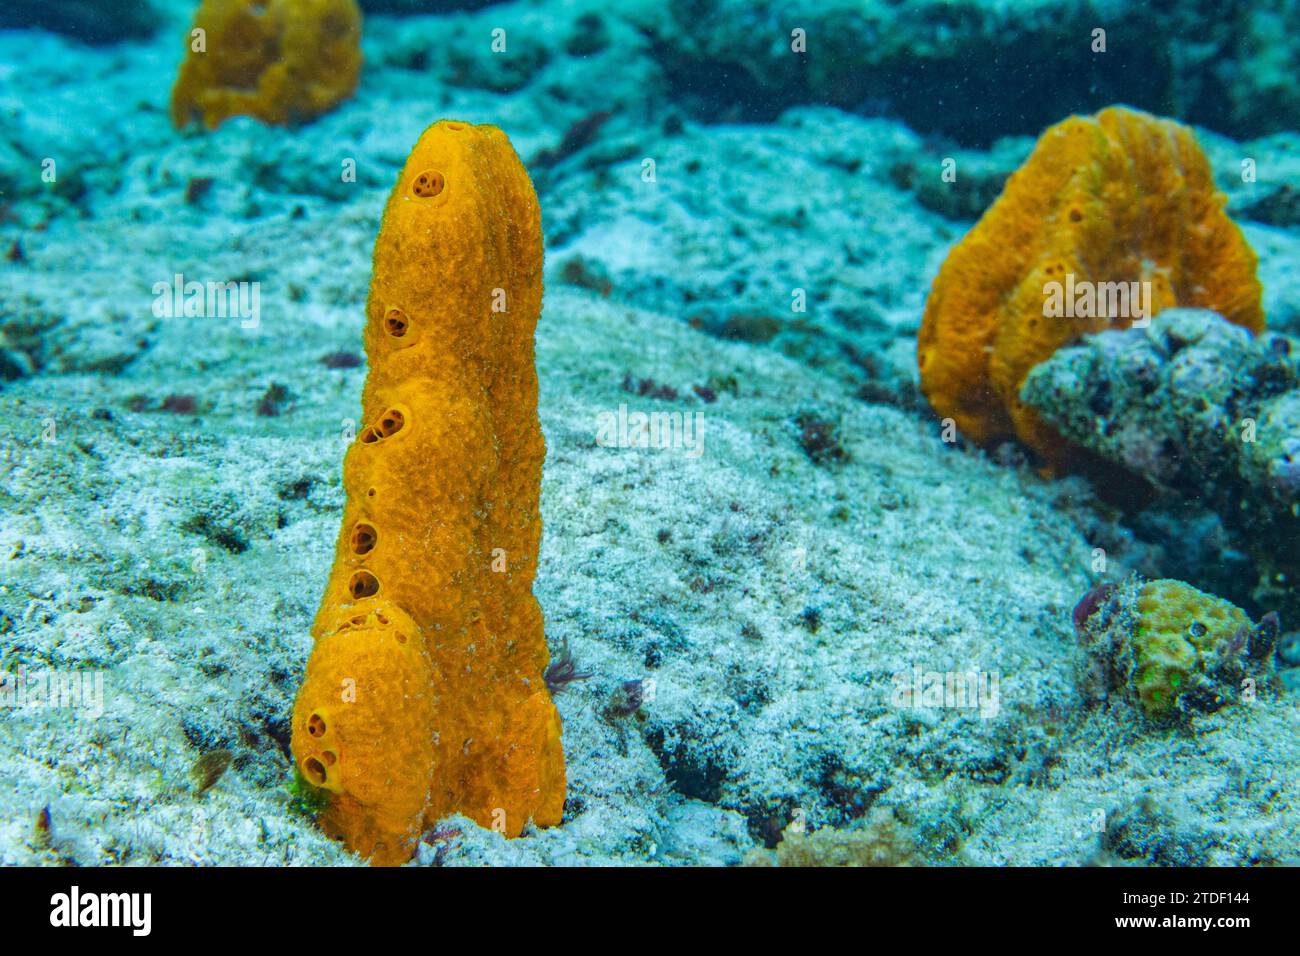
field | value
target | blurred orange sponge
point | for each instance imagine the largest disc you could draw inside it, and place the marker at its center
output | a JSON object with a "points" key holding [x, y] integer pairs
{"points": [[1110, 214], [425, 693], [280, 61]]}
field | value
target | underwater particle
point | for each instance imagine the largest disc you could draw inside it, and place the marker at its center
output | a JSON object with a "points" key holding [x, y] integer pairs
{"points": [[279, 61], [428, 621], [15, 252], [1173, 649], [1120, 206], [209, 769]]}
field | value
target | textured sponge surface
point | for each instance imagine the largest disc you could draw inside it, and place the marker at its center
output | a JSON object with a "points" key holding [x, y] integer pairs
{"points": [[280, 61], [1120, 197], [441, 527]]}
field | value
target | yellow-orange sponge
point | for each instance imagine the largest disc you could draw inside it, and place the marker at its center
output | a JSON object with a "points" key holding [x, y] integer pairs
{"points": [[1120, 197], [279, 61], [424, 694]]}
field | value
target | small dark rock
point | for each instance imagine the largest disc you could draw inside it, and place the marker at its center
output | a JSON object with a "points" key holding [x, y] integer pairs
{"points": [[340, 360], [179, 405], [274, 401]]}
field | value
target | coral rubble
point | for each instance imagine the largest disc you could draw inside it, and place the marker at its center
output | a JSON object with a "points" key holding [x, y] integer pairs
{"points": [[1199, 408]]}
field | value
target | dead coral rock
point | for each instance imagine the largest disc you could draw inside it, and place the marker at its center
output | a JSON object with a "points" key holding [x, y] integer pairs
{"points": [[877, 840], [1146, 833], [1199, 408]]}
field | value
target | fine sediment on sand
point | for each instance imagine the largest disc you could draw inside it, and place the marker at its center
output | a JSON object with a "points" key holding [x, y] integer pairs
{"points": [[750, 600]]}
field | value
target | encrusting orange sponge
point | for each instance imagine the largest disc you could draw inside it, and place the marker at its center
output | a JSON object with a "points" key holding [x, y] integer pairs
{"points": [[1117, 198], [279, 61], [424, 693]]}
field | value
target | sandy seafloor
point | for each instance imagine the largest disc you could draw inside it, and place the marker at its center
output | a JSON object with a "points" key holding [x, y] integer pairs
{"points": [[771, 596]]}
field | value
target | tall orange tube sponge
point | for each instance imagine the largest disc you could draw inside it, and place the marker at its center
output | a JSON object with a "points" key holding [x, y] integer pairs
{"points": [[279, 61], [1119, 197], [424, 693]]}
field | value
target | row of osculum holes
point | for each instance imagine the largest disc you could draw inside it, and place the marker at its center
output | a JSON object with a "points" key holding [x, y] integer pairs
{"points": [[363, 540], [314, 767], [364, 584], [364, 536], [426, 185]]}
